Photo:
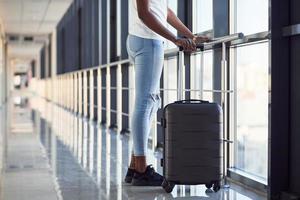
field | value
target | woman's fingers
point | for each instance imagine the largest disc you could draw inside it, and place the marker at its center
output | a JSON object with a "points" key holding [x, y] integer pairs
{"points": [[201, 39], [187, 44], [193, 45]]}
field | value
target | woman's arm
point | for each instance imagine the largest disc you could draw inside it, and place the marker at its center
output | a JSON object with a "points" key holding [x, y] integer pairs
{"points": [[150, 20], [178, 25], [154, 24], [182, 29]]}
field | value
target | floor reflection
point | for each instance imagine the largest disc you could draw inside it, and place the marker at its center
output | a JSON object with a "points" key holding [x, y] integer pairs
{"points": [[89, 161]]}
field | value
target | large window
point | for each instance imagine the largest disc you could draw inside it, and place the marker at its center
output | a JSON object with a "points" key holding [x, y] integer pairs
{"points": [[202, 15], [173, 6], [201, 70], [252, 71], [249, 74], [170, 80], [252, 84], [251, 16], [202, 76]]}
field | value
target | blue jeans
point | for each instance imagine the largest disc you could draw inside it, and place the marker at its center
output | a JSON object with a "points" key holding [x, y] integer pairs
{"points": [[147, 55]]}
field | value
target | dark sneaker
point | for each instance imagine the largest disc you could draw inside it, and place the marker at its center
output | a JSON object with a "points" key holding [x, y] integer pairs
{"points": [[148, 178], [129, 175]]}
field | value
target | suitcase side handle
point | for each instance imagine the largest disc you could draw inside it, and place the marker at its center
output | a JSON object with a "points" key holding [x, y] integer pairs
{"points": [[192, 100]]}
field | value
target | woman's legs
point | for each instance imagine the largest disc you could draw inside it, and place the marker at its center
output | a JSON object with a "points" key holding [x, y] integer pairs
{"points": [[132, 162], [139, 163], [148, 68]]}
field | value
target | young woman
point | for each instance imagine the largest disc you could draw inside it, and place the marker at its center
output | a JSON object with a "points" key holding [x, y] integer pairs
{"points": [[145, 45]]}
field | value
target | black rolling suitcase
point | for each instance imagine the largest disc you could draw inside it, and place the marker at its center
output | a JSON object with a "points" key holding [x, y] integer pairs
{"points": [[192, 144], [193, 132]]}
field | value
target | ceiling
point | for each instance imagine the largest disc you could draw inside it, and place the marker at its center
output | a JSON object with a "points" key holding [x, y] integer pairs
{"points": [[32, 17], [20, 65], [24, 51], [36, 18], [20, 55]]}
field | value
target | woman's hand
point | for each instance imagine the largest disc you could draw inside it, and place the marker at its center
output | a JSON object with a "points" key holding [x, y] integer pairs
{"points": [[187, 44], [200, 39]]}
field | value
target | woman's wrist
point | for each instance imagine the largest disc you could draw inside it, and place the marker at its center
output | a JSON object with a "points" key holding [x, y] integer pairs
{"points": [[173, 38], [190, 35]]}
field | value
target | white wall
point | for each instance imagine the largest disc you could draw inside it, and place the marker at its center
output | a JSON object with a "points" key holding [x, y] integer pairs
{"points": [[2, 63], [2, 108]]}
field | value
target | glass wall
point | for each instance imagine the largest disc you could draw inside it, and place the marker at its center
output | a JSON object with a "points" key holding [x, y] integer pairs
{"points": [[252, 108], [170, 80], [202, 76], [248, 21], [173, 5], [249, 76], [250, 113], [202, 15], [201, 70]]}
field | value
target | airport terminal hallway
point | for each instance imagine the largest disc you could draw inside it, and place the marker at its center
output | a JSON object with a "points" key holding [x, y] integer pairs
{"points": [[50, 153]]}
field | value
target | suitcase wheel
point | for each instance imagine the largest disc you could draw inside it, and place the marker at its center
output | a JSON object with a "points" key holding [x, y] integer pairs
{"points": [[208, 185], [216, 186], [168, 186]]}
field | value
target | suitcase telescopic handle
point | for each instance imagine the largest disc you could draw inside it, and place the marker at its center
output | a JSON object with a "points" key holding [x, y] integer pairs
{"points": [[191, 100]]}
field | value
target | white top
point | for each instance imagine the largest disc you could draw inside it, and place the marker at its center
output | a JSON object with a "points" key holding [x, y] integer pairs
{"points": [[136, 27]]}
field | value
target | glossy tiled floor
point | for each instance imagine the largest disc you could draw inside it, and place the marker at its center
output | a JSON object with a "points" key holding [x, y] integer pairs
{"points": [[61, 156]]}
